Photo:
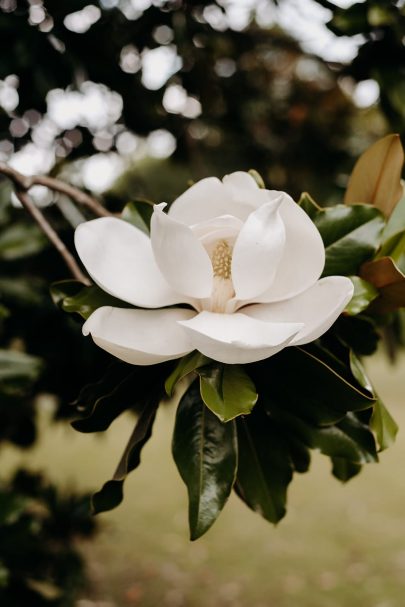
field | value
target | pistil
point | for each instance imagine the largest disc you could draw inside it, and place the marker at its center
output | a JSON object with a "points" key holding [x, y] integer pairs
{"points": [[221, 260], [223, 290]]}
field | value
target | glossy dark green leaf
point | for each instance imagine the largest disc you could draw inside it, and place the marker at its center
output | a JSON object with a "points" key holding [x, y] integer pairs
{"points": [[351, 235], [396, 223], [111, 493], [227, 390], [349, 439], [364, 294], [109, 497], [359, 333], [381, 422], [139, 213], [121, 387], [394, 247], [103, 401], [184, 367], [310, 383], [363, 443], [344, 470], [360, 373], [71, 296], [264, 466], [205, 452], [383, 425], [299, 453]]}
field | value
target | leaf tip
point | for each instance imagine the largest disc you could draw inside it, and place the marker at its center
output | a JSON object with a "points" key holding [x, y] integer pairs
{"points": [[109, 497]]}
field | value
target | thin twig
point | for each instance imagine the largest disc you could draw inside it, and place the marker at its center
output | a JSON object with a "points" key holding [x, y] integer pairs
{"points": [[24, 183], [48, 230]]}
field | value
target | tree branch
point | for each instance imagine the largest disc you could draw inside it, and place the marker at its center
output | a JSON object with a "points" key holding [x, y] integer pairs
{"points": [[24, 183], [48, 230]]}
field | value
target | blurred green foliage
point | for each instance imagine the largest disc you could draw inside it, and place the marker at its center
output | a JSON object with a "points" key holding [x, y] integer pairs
{"points": [[39, 561]]}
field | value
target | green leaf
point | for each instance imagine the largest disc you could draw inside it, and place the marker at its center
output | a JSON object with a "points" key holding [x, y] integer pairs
{"points": [[383, 425], [205, 452], [104, 401], [310, 383], [396, 222], [351, 235], [364, 294], [139, 213], [71, 296], [184, 367], [308, 204], [299, 453], [111, 494], [227, 390], [359, 333], [109, 497], [18, 370], [394, 247], [21, 240], [344, 470], [359, 373], [121, 387], [264, 466], [349, 439]]}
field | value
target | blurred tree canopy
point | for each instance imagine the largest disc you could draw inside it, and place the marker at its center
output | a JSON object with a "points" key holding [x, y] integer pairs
{"points": [[251, 97]]}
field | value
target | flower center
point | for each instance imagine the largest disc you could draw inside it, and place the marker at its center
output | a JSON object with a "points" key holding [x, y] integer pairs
{"points": [[221, 260], [222, 291]]}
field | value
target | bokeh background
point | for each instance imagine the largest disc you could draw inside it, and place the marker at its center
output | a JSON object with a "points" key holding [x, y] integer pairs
{"points": [[132, 100]]}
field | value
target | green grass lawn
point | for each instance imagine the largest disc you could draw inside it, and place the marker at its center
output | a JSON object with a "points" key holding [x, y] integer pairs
{"points": [[339, 546]]}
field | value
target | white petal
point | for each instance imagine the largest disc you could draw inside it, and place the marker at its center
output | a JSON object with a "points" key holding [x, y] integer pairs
{"points": [[243, 188], [317, 308], [120, 260], [204, 200], [236, 338], [240, 184], [210, 198], [140, 337], [257, 251], [222, 227], [180, 256], [304, 254]]}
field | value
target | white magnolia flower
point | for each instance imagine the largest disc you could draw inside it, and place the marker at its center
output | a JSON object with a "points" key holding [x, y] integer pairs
{"points": [[246, 261]]}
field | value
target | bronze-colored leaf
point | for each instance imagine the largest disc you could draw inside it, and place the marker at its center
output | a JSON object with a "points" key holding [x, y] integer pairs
{"points": [[389, 280], [376, 177]]}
